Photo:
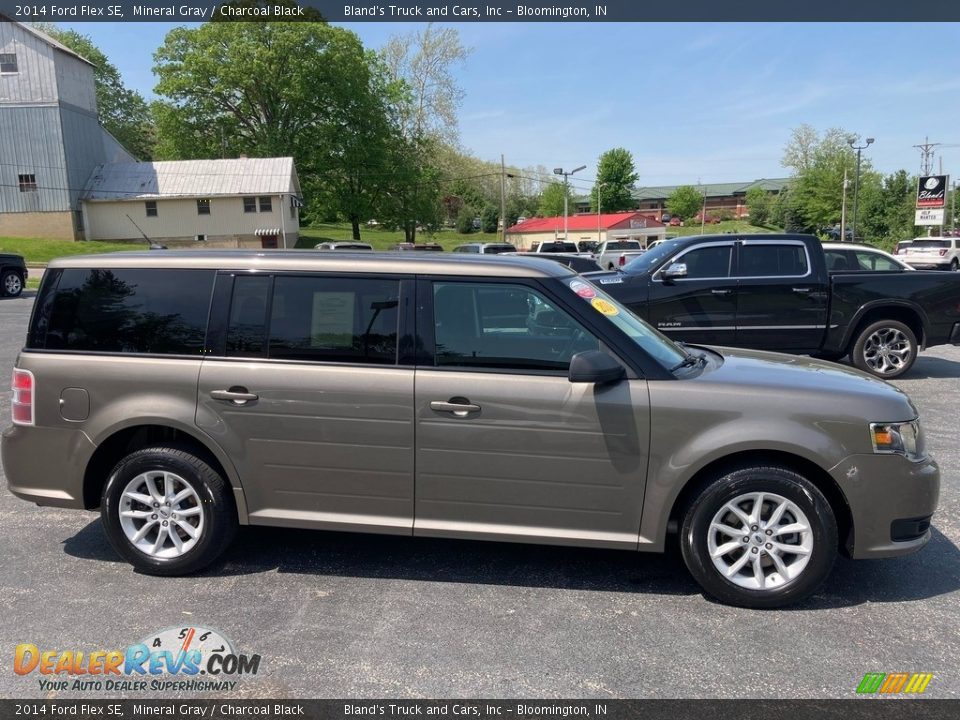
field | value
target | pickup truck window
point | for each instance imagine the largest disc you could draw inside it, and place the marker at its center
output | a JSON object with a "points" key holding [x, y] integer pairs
{"points": [[772, 261], [712, 261], [651, 257], [623, 245]]}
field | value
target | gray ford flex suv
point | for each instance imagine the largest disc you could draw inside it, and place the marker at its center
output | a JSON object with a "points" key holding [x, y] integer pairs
{"points": [[507, 398]]}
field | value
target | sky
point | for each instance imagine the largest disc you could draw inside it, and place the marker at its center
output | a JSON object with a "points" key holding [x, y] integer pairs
{"points": [[708, 102]]}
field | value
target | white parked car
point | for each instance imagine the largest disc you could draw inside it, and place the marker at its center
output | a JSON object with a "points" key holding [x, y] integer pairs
{"points": [[348, 246], [934, 253], [847, 257]]}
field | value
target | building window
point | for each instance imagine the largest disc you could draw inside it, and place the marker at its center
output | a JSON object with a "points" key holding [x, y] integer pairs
{"points": [[203, 206], [266, 205], [151, 206], [27, 183], [8, 63], [249, 204]]}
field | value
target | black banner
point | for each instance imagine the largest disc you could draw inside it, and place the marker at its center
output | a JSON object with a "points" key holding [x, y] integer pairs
{"points": [[863, 708], [479, 11]]}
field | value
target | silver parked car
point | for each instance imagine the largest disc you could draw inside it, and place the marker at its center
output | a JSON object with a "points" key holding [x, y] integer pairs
{"points": [[459, 396]]}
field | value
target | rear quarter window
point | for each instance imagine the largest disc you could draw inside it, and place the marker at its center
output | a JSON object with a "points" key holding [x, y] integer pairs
{"points": [[136, 310]]}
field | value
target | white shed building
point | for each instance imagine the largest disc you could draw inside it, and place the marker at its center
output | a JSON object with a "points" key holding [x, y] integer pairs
{"points": [[243, 202]]}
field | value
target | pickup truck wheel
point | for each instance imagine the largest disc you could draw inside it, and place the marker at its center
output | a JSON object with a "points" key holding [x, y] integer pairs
{"points": [[11, 283], [886, 348], [955, 265], [167, 512], [759, 537]]}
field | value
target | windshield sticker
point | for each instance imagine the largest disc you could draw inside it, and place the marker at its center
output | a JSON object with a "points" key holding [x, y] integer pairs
{"points": [[611, 281], [582, 289], [605, 307]]}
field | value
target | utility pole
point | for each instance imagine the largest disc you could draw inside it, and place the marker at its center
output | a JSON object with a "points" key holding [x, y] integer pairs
{"points": [[843, 208], [566, 195], [856, 183], [926, 155], [599, 210], [503, 199], [703, 211]]}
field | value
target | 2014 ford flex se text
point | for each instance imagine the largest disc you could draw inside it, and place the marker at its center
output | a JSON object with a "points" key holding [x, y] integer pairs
{"points": [[499, 398]]}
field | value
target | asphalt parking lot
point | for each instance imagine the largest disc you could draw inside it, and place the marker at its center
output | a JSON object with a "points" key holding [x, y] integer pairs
{"points": [[336, 615]]}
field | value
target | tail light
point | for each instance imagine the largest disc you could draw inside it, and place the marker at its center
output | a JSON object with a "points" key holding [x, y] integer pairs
{"points": [[943, 252], [21, 405], [622, 261]]}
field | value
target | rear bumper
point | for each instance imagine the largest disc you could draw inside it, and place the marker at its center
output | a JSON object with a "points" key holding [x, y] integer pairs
{"points": [[929, 265], [46, 465], [889, 497]]}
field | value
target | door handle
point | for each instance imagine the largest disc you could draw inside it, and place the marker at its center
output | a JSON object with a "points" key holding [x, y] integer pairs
{"points": [[802, 291], [722, 292], [458, 409], [237, 395]]}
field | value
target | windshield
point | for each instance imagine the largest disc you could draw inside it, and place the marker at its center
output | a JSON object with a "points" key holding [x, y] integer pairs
{"points": [[930, 244], [642, 263], [657, 345]]}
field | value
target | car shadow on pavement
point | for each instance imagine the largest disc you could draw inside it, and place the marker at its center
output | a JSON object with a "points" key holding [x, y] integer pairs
{"points": [[933, 367], [932, 572]]}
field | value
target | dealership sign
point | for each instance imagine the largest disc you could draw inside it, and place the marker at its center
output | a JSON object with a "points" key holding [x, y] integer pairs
{"points": [[932, 191], [929, 217]]}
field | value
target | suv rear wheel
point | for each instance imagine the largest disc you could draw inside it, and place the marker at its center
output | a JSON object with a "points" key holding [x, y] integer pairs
{"points": [[11, 283], [167, 512], [760, 537]]}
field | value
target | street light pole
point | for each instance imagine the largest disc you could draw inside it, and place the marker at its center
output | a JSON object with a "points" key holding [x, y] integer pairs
{"points": [[599, 185], [566, 194], [856, 186]]}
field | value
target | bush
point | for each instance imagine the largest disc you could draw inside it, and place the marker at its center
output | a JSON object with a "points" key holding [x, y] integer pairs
{"points": [[465, 220]]}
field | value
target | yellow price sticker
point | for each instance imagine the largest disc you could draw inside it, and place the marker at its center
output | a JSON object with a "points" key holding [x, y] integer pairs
{"points": [[605, 307]]}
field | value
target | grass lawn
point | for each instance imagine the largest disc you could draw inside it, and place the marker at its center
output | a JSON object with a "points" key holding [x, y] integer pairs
{"points": [[38, 250], [385, 239]]}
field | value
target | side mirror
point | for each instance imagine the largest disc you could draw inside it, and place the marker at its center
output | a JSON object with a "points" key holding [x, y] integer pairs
{"points": [[676, 270], [593, 366]]}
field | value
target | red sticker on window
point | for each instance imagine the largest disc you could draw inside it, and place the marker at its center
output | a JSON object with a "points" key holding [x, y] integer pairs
{"points": [[583, 289]]}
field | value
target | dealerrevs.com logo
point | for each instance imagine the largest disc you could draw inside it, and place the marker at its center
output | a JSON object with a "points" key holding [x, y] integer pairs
{"points": [[175, 659]]}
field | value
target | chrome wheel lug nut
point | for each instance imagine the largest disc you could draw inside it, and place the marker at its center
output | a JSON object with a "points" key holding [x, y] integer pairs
{"points": [[164, 523], [746, 539], [754, 527], [769, 546], [156, 505], [754, 550], [769, 532]]}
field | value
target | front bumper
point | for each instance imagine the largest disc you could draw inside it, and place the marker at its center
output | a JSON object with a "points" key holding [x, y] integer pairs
{"points": [[46, 465], [887, 493]]}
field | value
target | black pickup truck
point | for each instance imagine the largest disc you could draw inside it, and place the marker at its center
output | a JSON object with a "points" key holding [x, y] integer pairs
{"points": [[774, 292]]}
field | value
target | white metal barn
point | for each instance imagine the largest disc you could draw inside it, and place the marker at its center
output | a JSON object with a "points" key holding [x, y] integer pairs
{"points": [[243, 202]]}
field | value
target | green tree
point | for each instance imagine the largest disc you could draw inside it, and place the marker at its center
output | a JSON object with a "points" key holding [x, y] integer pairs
{"points": [[685, 202], [465, 220], [122, 112], [489, 219], [887, 214], [758, 203], [551, 200], [616, 176]]}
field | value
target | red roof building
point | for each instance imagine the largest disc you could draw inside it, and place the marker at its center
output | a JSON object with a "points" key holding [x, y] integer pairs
{"points": [[588, 227]]}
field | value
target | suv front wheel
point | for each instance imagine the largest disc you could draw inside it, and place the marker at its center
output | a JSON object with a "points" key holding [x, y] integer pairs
{"points": [[760, 537], [167, 511]]}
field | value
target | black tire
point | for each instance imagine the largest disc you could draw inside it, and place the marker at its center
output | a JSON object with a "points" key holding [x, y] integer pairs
{"points": [[215, 501], [11, 283], [955, 265], [766, 479], [864, 346]]}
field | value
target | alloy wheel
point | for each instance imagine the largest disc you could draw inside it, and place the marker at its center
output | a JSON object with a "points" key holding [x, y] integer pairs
{"points": [[161, 515], [887, 351]]}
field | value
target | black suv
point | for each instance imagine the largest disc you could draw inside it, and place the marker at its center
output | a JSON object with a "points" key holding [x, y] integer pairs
{"points": [[13, 274]]}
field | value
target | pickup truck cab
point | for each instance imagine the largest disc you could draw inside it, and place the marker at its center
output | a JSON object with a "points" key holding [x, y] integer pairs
{"points": [[775, 292], [612, 254]]}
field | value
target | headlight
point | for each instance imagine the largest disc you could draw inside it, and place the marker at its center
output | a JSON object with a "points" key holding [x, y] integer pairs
{"points": [[898, 438]]}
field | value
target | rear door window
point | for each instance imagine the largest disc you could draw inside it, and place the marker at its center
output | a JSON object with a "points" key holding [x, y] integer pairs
{"points": [[772, 261]]}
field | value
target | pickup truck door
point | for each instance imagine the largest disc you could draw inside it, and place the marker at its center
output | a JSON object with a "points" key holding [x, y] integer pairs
{"points": [[701, 307], [781, 301]]}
